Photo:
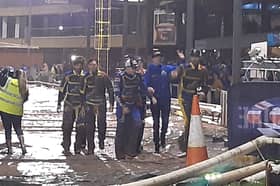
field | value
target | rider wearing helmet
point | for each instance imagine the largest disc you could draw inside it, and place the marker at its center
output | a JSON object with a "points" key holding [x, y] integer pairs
{"points": [[192, 80], [130, 91]]}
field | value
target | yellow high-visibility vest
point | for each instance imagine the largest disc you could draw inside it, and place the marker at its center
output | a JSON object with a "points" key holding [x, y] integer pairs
{"points": [[11, 101]]}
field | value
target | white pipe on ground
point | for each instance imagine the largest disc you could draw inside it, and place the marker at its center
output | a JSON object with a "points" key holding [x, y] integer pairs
{"points": [[238, 174], [261, 175], [252, 179], [194, 170]]}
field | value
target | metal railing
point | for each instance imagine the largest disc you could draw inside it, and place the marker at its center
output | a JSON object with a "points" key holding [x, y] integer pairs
{"points": [[55, 31], [213, 111], [224, 106]]}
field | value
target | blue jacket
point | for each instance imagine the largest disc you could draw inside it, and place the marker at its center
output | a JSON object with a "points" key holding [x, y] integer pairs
{"points": [[158, 77]]}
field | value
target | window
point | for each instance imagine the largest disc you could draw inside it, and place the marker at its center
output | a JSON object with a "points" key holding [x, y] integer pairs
{"points": [[37, 21], [1, 19], [11, 27], [132, 12]]}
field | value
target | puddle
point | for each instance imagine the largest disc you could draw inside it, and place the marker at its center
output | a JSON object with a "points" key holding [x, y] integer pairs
{"points": [[44, 163], [48, 173]]}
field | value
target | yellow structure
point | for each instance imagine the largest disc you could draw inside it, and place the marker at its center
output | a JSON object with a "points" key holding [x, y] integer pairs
{"points": [[103, 32]]}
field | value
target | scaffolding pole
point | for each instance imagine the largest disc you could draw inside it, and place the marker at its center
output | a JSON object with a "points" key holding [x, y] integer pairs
{"points": [[102, 42]]}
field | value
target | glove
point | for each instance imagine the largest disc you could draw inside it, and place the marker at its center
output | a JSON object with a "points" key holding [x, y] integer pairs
{"points": [[199, 89], [201, 93], [125, 110], [151, 91], [154, 100], [58, 108], [26, 96], [174, 74], [180, 54]]}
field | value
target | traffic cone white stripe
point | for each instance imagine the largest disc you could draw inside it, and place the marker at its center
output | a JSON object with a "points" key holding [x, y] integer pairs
{"points": [[197, 150], [196, 140]]}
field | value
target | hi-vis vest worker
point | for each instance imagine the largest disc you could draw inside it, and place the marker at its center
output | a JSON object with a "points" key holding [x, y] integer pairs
{"points": [[11, 101]]}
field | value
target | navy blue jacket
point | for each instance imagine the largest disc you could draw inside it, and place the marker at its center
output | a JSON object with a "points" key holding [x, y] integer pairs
{"points": [[159, 77], [70, 88]]}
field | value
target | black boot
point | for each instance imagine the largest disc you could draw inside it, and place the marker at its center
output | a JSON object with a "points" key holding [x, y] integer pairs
{"points": [[157, 148], [65, 151], [101, 145], [77, 148], [9, 146], [90, 152], [162, 140], [21, 141]]}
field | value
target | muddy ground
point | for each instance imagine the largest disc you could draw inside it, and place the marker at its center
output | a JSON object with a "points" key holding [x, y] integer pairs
{"points": [[44, 164]]}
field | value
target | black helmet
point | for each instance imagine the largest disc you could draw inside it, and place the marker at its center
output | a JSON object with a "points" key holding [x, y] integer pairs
{"points": [[77, 60], [4, 71], [9, 71], [130, 63], [155, 49], [126, 56], [135, 63], [156, 52], [139, 59], [195, 53]]}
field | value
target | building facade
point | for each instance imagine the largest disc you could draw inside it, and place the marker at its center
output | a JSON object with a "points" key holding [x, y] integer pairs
{"points": [[213, 23], [61, 28]]}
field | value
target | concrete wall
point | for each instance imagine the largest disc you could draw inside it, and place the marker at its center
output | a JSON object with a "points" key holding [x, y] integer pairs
{"points": [[80, 42], [226, 42], [18, 57], [41, 10]]}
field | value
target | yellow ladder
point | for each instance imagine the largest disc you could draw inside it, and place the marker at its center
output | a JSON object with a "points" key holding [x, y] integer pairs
{"points": [[103, 32]]}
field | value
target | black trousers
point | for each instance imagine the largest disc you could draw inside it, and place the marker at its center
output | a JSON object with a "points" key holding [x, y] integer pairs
{"points": [[69, 116], [95, 113], [80, 131], [163, 111], [10, 121]]}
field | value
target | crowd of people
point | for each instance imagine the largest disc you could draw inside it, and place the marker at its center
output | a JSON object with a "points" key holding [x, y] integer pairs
{"points": [[45, 72], [85, 101], [84, 96]]}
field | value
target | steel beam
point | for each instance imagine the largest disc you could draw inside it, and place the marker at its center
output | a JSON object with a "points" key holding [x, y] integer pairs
{"points": [[190, 26], [237, 33]]}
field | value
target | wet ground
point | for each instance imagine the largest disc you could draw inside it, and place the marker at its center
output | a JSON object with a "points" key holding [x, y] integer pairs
{"points": [[44, 164]]}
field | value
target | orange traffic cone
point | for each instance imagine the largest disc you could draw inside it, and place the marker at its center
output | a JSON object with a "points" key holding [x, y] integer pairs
{"points": [[196, 150]]}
